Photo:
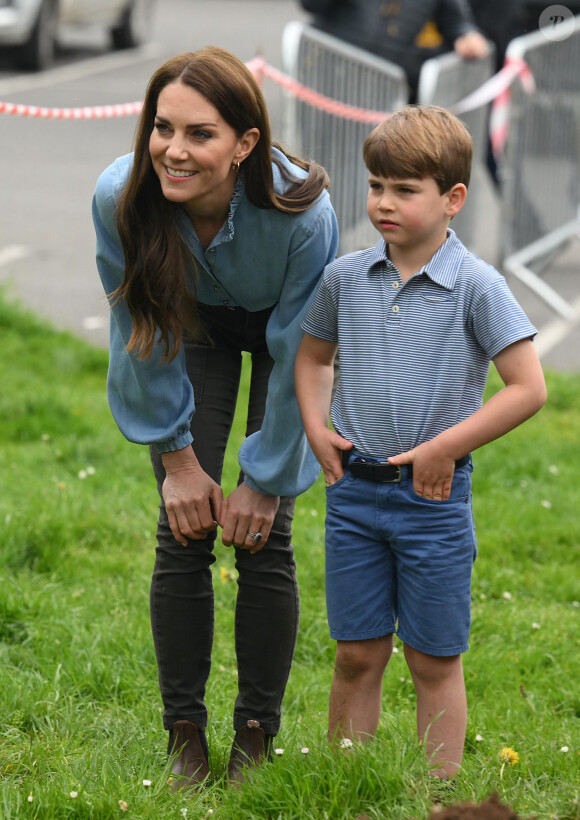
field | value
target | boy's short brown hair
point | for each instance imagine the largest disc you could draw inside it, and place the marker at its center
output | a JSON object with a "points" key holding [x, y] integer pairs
{"points": [[421, 141]]}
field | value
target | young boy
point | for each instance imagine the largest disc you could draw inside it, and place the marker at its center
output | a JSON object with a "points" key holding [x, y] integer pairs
{"points": [[416, 321]]}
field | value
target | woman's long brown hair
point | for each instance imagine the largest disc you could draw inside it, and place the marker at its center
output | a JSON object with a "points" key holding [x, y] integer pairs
{"points": [[155, 284]]}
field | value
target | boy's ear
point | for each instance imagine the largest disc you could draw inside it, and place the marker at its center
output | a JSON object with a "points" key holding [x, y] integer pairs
{"points": [[455, 199]]}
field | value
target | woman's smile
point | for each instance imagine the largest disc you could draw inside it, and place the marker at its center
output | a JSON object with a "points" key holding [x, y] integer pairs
{"points": [[176, 173]]}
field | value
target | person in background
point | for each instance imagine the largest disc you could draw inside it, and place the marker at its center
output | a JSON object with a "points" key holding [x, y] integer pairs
{"points": [[416, 321], [406, 32], [210, 242], [500, 21]]}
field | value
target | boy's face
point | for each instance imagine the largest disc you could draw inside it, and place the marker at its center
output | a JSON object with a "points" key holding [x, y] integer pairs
{"points": [[410, 213]]}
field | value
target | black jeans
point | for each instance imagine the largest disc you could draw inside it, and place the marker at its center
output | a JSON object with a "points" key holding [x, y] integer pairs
{"points": [[182, 605]]}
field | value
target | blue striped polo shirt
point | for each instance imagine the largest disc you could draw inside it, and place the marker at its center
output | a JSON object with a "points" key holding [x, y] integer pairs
{"points": [[414, 355]]}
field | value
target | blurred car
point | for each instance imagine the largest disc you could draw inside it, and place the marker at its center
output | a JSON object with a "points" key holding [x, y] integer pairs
{"points": [[29, 28]]}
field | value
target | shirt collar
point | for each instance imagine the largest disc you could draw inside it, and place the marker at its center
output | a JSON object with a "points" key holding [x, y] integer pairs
{"points": [[226, 233], [443, 266], [239, 191], [379, 256]]}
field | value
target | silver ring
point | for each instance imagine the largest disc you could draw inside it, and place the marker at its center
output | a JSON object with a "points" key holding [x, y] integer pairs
{"points": [[255, 536]]}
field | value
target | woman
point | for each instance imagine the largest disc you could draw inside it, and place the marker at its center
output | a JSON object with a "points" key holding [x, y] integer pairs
{"points": [[210, 242]]}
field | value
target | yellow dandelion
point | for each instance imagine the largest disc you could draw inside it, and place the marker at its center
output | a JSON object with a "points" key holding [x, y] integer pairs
{"points": [[508, 756], [227, 575]]}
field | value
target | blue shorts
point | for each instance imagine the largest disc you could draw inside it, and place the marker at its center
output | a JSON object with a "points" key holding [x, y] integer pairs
{"points": [[396, 562]]}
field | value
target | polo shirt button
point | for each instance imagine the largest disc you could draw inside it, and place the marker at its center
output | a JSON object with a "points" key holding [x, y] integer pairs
{"points": [[395, 285], [395, 308]]}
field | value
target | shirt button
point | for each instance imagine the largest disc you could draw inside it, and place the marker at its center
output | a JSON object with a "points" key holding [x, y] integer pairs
{"points": [[216, 287], [395, 308], [395, 285]]}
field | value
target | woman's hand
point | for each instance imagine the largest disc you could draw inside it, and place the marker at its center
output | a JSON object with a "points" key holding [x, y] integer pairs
{"points": [[246, 511], [192, 499]]}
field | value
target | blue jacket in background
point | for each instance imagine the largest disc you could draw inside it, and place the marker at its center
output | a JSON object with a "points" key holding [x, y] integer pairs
{"points": [[391, 28]]}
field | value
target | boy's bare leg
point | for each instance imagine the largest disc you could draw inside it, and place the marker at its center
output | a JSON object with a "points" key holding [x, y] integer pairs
{"points": [[355, 696], [441, 709]]}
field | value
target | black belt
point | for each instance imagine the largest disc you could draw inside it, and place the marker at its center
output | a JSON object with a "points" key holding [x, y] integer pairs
{"points": [[382, 471]]}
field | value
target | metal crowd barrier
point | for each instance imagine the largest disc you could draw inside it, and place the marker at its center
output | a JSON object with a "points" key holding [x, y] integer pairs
{"points": [[540, 197], [447, 79], [349, 75], [444, 81], [541, 186]]}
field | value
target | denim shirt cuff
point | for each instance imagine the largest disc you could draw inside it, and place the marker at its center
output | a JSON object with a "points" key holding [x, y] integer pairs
{"points": [[253, 486], [175, 443]]}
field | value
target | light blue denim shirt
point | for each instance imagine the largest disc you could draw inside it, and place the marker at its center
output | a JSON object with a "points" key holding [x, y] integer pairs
{"points": [[259, 259]]}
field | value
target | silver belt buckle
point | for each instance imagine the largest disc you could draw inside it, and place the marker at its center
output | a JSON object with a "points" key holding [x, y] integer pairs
{"points": [[398, 478]]}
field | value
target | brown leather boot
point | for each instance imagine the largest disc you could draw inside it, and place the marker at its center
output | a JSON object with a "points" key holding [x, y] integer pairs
{"points": [[249, 749], [190, 769]]}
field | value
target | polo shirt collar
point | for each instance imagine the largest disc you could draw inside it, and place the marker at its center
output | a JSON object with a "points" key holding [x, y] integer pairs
{"points": [[444, 265], [379, 255], [442, 268]]}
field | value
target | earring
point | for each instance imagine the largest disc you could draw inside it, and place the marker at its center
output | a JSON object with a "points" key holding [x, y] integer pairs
{"points": [[236, 166]]}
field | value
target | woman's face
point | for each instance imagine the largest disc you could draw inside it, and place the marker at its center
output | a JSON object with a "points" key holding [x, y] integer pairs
{"points": [[193, 150]]}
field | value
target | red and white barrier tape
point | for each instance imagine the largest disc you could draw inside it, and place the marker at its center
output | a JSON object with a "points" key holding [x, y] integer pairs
{"points": [[259, 67], [499, 117], [95, 112], [496, 89], [492, 88]]}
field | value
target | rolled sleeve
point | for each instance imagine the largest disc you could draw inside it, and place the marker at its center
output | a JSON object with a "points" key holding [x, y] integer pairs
{"points": [[277, 460]]}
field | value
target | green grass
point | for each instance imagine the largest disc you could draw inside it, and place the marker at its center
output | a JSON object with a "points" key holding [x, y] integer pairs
{"points": [[79, 706]]}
